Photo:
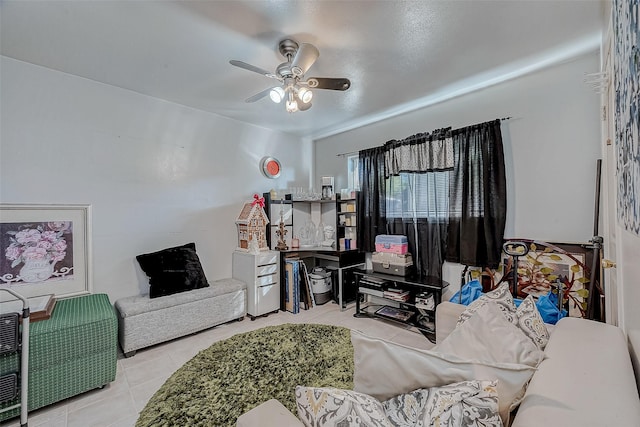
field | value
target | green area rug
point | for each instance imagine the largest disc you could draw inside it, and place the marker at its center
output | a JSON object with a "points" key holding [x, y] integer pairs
{"points": [[235, 375]]}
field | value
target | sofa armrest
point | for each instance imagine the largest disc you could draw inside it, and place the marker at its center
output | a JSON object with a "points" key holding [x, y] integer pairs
{"points": [[447, 314], [586, 379], [269, 414]]}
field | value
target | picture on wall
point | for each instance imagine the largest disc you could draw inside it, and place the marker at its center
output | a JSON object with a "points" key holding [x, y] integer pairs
{"points": [[627, 115], [541, 268], [44, 250]]}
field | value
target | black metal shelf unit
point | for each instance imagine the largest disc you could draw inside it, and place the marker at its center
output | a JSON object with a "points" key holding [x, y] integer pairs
{"points": [[422, 320]]}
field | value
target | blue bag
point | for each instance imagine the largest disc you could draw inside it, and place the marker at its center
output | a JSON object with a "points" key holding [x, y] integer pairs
{"points": [[471, 291], [547, 306]]}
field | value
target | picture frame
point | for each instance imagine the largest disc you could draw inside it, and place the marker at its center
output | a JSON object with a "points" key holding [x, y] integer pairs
{"points": [[543, 265], [45, 249], [627, 125]]}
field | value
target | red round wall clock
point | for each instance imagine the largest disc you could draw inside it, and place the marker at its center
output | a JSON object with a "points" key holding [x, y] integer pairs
{"points": [[270, 167]]}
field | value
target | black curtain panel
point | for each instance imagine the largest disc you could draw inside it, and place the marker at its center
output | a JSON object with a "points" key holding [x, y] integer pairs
{"points": [[478, 201], [371, 210], [399, 195], [427, 242]]}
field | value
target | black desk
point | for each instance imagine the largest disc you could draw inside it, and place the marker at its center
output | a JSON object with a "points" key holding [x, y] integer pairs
{"points": [[342, 261], [414, 285]]}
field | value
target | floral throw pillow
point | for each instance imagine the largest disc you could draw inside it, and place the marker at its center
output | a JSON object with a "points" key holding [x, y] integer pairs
{"points": [[324, 407], [501, 296], [529, 320], [456, 405]]}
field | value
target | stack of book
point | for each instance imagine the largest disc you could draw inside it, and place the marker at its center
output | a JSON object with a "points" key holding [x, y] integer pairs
{"points": [[397, 295], [373, 286]]}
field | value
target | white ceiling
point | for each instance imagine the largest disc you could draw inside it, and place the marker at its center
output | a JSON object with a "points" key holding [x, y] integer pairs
{"points": [[399, 55]]}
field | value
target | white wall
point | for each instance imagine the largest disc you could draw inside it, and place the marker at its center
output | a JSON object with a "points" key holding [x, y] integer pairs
{"points": [[628, 263], [551, 146], [156, 174]]}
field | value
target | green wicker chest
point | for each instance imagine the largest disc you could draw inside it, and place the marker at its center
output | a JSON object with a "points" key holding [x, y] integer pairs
{"points": [[74, 351]]}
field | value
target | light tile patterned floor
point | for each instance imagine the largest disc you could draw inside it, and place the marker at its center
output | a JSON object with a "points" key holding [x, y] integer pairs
{"points": [[138, 377]]}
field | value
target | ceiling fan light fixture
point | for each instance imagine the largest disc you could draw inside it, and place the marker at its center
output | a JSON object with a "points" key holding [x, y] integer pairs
{"points": [[303, 107], [292, 106], [276, 94], [305, 95]]}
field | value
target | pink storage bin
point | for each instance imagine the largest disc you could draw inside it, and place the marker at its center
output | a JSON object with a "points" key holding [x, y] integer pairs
{"points": [[400, 249], [395, 244]]}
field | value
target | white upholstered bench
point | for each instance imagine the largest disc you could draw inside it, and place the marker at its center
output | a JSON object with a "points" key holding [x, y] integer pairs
{"points": [[144, 321]]}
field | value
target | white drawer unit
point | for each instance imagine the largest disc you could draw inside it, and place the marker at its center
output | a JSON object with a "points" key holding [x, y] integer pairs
{"points": [[261, 273]]}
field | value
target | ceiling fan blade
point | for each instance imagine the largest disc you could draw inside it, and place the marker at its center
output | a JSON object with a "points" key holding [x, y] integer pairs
{"points": [[328, 83], [304, 58], [252, 68], [258, 95]]}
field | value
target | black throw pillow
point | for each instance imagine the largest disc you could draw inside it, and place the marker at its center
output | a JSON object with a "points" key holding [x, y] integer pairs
{"points": [[173, 270]]}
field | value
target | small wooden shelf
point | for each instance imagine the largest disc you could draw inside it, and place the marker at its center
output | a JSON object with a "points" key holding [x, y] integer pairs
{"points": [[40, 308]]}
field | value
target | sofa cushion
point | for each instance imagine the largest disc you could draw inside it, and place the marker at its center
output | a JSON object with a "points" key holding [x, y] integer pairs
{"points": [[500, 295], [173, 270], [408, 369], [326, 406], [271, 413], [586, 379], [530, 322], [138, 304], [447, 315], [526, 316], [455, 405], [488, 336]]}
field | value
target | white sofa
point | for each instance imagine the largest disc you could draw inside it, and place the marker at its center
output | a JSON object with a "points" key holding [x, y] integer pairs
{"points": [[586, 379]]}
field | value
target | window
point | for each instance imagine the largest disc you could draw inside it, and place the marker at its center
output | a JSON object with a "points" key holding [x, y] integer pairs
{"points": [[412, 195], [353, 177]]}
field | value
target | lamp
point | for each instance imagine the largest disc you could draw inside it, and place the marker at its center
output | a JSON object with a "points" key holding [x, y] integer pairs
{"points": [[298, 98], [276, 94], [305, 95], [302, 105], [291, 106]]}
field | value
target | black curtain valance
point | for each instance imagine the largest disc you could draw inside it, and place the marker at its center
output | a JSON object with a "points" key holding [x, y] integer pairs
{"points": [[419, 153]]}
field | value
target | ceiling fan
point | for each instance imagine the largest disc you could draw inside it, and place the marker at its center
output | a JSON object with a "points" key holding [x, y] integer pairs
{"points": [[293, 88]]}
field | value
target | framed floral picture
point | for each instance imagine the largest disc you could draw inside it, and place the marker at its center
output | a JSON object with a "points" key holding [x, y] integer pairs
{"points": [[541, 269], [45, 249], [545, 267]]}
